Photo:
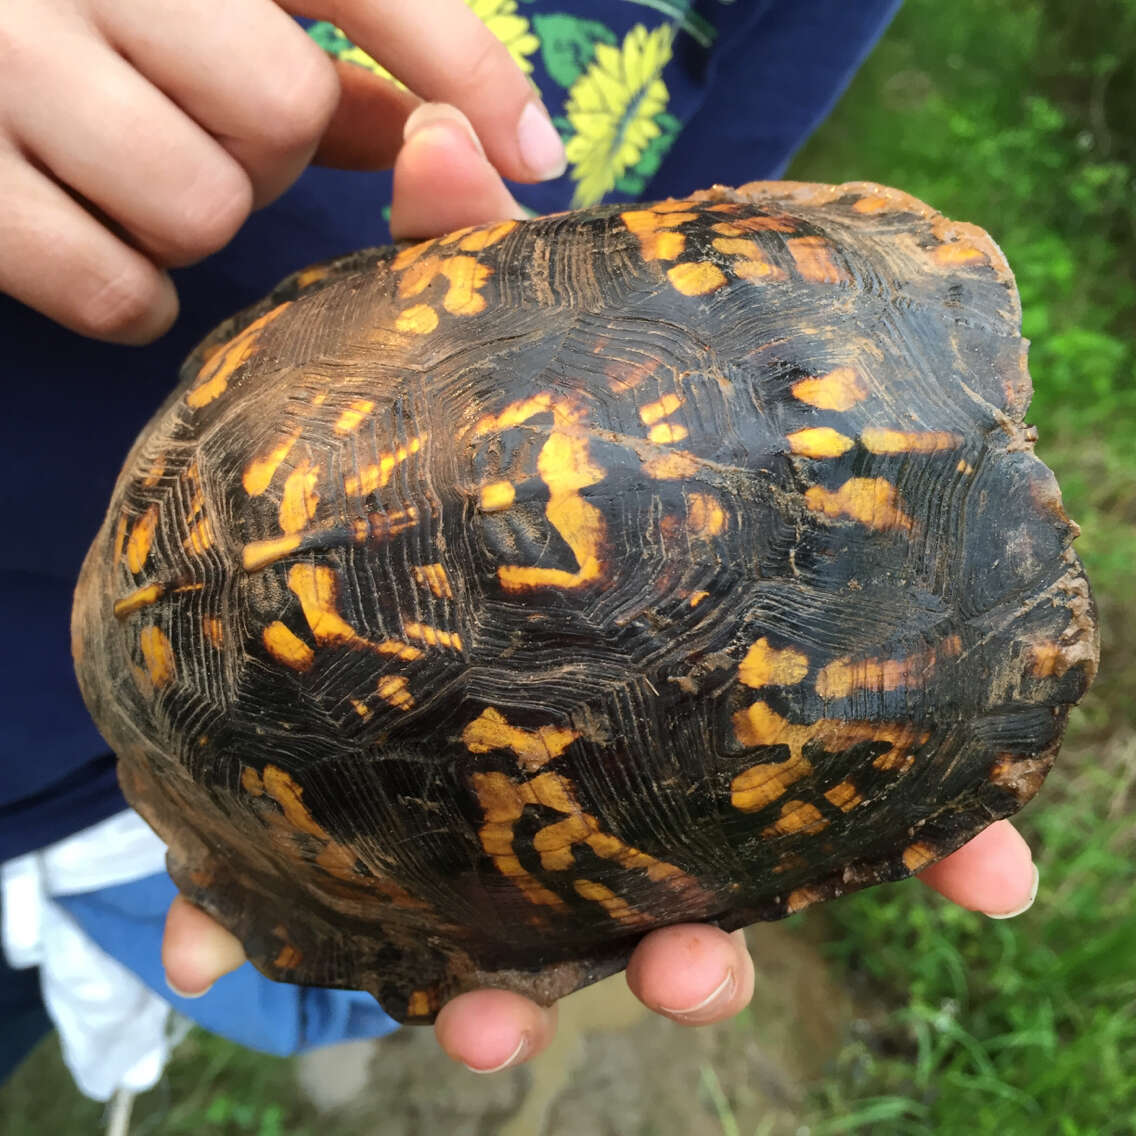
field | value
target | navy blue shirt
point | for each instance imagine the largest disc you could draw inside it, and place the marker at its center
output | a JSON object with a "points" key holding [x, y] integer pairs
{"points": [[739, 86]]}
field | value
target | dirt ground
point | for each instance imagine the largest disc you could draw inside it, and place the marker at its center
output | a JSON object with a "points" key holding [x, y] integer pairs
{"points": [[614, 1069]]}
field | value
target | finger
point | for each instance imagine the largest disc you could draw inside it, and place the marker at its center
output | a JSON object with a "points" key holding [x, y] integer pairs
{"points": [[102, 130], [243, 70], [442, 180], [444, 53], [692, 973], [59, 260], [994, 873], [365, 133], [196, 950], [490, 1030]]}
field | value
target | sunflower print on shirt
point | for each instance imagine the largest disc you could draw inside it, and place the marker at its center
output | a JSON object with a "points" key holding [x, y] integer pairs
{"points": [[608, 91]]}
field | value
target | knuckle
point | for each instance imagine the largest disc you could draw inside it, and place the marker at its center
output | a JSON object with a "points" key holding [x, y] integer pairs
{"points": [[120, 303], [485, 69], [210, 216], [295, 108]]}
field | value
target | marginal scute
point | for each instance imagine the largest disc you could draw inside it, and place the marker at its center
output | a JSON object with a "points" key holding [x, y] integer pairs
{"points": [[471, 609]]}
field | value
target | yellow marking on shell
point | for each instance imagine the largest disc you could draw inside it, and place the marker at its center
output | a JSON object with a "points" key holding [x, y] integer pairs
{"points": [[378, 474], [819, 442], [313, 275], [433, 576], [361, 708], [350, 419], [466, 276], [696, 278], [844, 796], [300, 499], [288, 957], [141, 539], [333, 857], [317, 588], [815, 261], [873, 501], [958, 253], [259, 554], [800, 898], [843, 677], [697, 597], [964, 467], [676, 466], [515, 414], [432, 636], [251, 782], [399, 649], [618, 909], [409, 255], [797, 817], [878, 441], [662, 408], [655, 230], [760, 725], [155, 475], [481, 239], [260, 471], [214, 630], [766, 666], [762, 784], [393, 690], [288, 648], [419, 1005], [1047, 659], [840, 389], [918, 856], [565, 466], [873, 203], [200, 538], [158, 655], [503, 802], [497, 495], [142, 597], [534, 748], [750, 261], [705, 517], [213, 380], [421, 319], [666, 433], [764, 223], [319, 398], [120, 538], [455, 236]]}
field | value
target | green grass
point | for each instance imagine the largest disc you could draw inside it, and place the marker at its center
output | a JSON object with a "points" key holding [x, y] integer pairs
{"points": [[1012, 115]]}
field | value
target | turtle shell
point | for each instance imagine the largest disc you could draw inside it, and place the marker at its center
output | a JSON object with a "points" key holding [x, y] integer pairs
{"points": [[470, 609]]}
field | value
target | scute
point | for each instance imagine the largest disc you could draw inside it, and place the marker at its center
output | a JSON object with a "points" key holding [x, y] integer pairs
{"points": [[472, 608]]}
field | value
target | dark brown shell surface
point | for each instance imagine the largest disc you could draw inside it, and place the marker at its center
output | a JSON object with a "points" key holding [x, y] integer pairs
{"points": [[470, 609]]}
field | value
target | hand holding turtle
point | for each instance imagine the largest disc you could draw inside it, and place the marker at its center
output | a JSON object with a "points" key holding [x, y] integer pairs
{"points": [[693, 974], [135, 137]]}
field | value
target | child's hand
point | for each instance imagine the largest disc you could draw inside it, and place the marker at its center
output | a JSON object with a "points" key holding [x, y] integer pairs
{"points": [[136, 135]]}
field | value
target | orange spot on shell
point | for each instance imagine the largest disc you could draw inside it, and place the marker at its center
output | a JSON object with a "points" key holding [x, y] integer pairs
{"points": [[844, 796], [158, 655], [491, 730], [958, 253], [288, 648], [764, 665], [675, 466], [483, 238], [497, 495], [300, 499], [353, 416], [918, 856], [873, 203], [141, 540], [433, 576], [667, 433], [137, 600], [696, 278], [258, 554], [259, 473], [705, 516], [421, 319], [815, 260], [819, 442], [393, 690], [797, 817], [213, 379], [843, 677], [840, 389], [878, 441], [378, 474], [656, 411], [873, 501]]}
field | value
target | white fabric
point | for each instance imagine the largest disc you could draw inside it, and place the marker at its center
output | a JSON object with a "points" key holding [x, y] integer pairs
{"points": [[115, 1032]]}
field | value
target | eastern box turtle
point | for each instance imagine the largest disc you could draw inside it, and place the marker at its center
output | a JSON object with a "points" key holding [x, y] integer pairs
{"points": [[472, 608]]}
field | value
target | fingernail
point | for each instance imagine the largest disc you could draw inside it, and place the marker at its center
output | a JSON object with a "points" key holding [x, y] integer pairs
{"points": [[428, 116], [517, 1055], [708, 1007], [539, 142], [185, 993], [1025, 906]]}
